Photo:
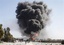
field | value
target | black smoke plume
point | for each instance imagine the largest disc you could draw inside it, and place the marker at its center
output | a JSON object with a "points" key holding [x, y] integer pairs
{"points": [[33, 16]]}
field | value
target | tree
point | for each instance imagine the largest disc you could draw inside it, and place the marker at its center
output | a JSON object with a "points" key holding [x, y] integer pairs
{"points": [[62, 42], [7, 36], [1, 31], [8, 29]]}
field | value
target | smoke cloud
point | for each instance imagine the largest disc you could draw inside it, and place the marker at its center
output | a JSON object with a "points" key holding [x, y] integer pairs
{"points": [[32, 16]]}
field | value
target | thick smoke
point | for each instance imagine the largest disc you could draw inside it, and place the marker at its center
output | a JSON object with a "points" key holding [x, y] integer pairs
{"points": [[33, 16]]}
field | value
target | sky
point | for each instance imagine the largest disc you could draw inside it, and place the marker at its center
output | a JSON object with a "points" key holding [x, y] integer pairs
{"points": [[55, 28]]}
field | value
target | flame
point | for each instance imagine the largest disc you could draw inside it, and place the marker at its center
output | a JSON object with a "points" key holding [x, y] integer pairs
{"points": [[33, 36], [36, 34]]}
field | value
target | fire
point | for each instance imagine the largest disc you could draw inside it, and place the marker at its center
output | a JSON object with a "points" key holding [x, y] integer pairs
{"points": [[36, 34], [33, 36]]}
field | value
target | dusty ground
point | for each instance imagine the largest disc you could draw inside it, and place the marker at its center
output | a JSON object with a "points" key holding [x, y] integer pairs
{"points": [[29, 43]]}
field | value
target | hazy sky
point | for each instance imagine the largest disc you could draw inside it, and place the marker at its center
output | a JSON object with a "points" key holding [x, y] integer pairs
{"points": [[54, 30]]}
